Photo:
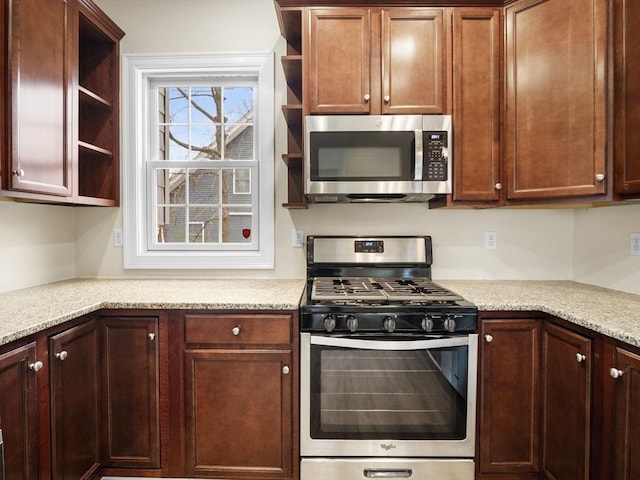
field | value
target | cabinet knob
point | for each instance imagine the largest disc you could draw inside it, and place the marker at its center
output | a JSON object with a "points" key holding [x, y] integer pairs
{"points": [[285, 370], [236, 330], [615, 373], [367, 97], [498, 186], [152, 336], [580, 357], [387, 99], [488, 338], [36, 366], [18, 172], [600, 177], [62, 355]]}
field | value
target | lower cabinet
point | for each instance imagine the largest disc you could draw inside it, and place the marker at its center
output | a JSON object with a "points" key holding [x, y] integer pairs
{"points": [[535, 401], [18, 411], [239, 395], [509, 400], [626, 426], [75, 397], [130, 376], [567, 362]]}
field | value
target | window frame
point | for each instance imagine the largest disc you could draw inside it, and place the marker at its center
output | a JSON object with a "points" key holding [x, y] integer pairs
{"points": [[140, 73]]}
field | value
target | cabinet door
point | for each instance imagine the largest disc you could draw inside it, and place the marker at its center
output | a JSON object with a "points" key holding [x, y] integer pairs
{"points": [[131, 433], [38, 95], [509, 397], [477, 53], [74, 401], [338, 61], [238, 413], [19, 413], [413, 61], [627, 415], [627, 97], [555, 125], [566, 403]]}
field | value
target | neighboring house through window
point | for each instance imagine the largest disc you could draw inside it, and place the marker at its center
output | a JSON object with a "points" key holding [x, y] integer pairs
{"points": [[198, 155]]}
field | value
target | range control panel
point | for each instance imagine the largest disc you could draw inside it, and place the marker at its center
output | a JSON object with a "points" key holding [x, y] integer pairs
{"points": [[436, 156]]}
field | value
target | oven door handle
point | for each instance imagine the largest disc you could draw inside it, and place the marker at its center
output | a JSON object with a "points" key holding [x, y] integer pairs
{"points": [[423, 344]]}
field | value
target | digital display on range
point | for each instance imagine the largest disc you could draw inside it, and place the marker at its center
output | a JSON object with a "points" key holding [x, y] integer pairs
{"points": [[369, 246]]}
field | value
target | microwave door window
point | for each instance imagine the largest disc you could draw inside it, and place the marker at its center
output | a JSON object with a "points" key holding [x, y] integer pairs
{"points": [[362, 156]]}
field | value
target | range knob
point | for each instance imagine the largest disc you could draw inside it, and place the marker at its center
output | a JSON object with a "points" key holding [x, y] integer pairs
{"points": [[449, 324], [427, 323], [352, 323], [389, 324], [329, 323]]}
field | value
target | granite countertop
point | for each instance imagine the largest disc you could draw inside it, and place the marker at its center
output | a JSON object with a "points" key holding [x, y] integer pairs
{"points": [[609, 312], [23, 312], [27, 311]]}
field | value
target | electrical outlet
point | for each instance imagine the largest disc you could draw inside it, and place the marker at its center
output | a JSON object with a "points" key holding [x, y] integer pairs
{"points": [[635, 243], [298, 238], [490, 240], [117, 237]]}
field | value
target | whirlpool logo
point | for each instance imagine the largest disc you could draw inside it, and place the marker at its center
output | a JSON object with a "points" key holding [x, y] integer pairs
{"points": [[387, 446]]}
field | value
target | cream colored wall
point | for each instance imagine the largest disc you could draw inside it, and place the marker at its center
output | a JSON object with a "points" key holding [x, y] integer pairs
{"points": [[36, 244], [601, 247]]}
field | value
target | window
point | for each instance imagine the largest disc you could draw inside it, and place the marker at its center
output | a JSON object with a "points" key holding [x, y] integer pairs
{"points": [[198, 156]]}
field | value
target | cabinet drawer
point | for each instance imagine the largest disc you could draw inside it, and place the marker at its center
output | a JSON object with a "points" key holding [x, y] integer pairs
{"points": [[238, 329]]}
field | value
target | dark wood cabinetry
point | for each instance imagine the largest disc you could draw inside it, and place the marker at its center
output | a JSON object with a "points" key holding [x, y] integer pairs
{"points": [[555, 98], [18, 411], [626, 116], [625, 369], [130, 376], [359, 61], [239, 395], [477, 90], [75, 396], [567, 364], [509, 399], [62, 103], [38, 98]]}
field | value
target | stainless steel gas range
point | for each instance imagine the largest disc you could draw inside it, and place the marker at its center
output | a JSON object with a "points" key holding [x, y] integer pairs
{"points": [[388, 364]]}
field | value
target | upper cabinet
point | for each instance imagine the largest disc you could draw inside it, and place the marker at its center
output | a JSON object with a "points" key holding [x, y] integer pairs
{"points": [[477, 93], [38, 159], [626, 116], [62, 103], [555, 98], [374, 61]]}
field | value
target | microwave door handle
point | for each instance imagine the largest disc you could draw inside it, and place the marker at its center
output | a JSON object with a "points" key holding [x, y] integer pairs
{"points": [[419, 157]]}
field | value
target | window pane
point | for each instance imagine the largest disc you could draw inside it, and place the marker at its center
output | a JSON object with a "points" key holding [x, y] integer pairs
{"points": [[229, 194], [203, 225], [171, 227], [204, 142], [205, 101], [178, 143], [240, 221], [204, 186], [239, 142], [177, 109], [238, 104]]}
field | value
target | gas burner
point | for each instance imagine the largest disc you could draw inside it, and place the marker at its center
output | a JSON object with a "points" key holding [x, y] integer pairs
{"points": [[355, 290]]}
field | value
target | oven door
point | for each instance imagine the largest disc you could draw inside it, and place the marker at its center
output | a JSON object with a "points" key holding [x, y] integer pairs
{"points": [[388, 395]]}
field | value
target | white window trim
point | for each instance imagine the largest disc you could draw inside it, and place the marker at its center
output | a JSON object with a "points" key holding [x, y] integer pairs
{"points": [[138, 71]]}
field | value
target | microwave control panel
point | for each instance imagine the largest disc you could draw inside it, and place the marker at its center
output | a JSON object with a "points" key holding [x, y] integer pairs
{"points": [[435, 156]]}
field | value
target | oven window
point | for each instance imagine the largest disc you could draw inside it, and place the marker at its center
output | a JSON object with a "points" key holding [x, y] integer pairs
{"points": [[362, 156], [375, 394]]}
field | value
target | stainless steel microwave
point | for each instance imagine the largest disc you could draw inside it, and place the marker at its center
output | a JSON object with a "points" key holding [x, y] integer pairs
{"points": [[377, 158]]}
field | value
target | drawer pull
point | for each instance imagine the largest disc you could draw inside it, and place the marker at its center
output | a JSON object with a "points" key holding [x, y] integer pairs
{"points": [[286, 370], [62, 355], [580, 357], [488, 338], [236, 330]]}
